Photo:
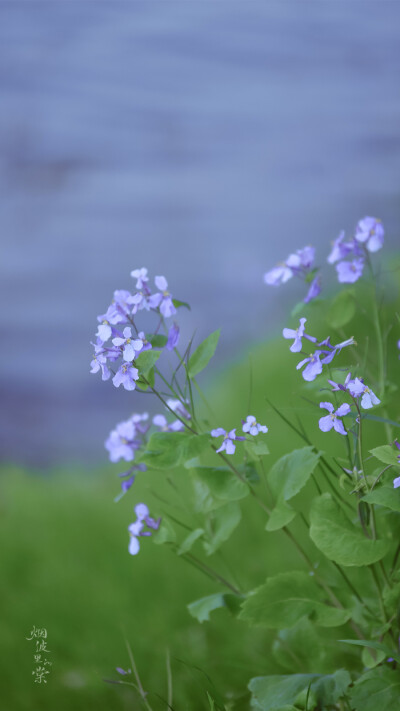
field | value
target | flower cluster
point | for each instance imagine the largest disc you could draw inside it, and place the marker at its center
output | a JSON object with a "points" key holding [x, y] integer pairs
{"points": [[297, 264], [357, 389], [137, 528], [249, 426], [113, 344], [323, 355], [350, 256]]}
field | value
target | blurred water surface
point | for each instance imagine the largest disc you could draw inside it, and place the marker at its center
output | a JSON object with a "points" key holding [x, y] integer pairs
{"points": [[203, 140]]}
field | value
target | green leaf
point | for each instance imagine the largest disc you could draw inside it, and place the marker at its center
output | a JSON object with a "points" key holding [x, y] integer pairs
{"points": [[272, 693], [385, 454], [303, 647], [377, 690], [373, 645], [371, 658], [284, 599], [256, 448], [200, 609], [340, 540], [203, 354], [224, 521], [384, 496], [342, 309], [146, 361], [178, 304], [286, 478], [166, 450], [157, 340], [165, 534], [189, 541], [215, 486]]}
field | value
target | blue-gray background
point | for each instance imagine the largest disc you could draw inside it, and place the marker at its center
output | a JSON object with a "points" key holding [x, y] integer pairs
{"points": [[204, 140]]}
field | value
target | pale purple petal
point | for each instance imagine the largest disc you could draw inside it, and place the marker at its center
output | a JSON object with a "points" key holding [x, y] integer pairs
{"points": [[161, 283], [134, 545], [141, 511], [218, 432], [325, 423], [230, 446], [396, 482], [327, 406], [338, 425], [278, 275], [343, 410], [160, 421]]}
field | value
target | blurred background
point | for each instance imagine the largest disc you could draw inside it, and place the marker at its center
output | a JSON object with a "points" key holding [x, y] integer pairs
{"points": [[202, 140]]}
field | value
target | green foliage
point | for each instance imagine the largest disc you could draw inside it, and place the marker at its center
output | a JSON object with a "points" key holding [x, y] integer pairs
{"points": [[342, 309], [146, 361], [339, 539], [222, 522], [384, 496], [286, 479], [203, 354], [200, 609], [215, 486], [273, 693], [190, 540], [385, 453], [256, 449], [166, 450], [178, 304], [377, 690], [157, 340], [284, 599]]}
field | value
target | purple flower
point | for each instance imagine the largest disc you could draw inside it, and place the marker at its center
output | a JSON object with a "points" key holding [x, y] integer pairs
{"points": [[99, 362], [162, 422], [120, 307], [122, 671], [173, 337], [229, 438], [126, 375], [370, 232], [253, 427], [300, 261], [340, 249], [339, 386], [121, 442], [357, 387], [332, 420], [350, 272], [313, 367], [278, 275], [297, 334], [332, 350], [136, 529], [141, 276], [396, 482], [162, 300], [314, 290], [306, 256], [178, 407], [104, 330], [130, 347]]}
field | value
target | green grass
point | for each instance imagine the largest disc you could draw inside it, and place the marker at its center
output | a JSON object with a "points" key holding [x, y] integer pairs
{"points": [[65, 566]]}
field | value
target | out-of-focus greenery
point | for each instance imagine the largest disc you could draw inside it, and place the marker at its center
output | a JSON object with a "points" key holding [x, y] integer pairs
{"points": [[65, 564]]}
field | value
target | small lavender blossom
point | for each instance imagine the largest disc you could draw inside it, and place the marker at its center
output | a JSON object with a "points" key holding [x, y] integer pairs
{"points": [[126, 375], [278, 275], [162, 422], [99, 362], [338, 386], [332, 420], [173, 337], [313, 367], [104, 329], [141, 276], [253, 427], [297, 334], [136, 529], [396, 482], [330, 351], [340, 249], [130, 347], [306, 256], [228, 445], [314, 290], [297, 262], [357, 387], [138, 421], [350, 272], [122, 443], [122, 671], [162, 300], [370, 232], [178, 407], [120, 307]]}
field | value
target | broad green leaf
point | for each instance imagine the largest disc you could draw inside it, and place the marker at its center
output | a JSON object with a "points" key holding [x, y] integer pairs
{"points": [[342, 310], [157, 340], [385, 454], [286, 478], [377, 690], [280, 516], [215, 486], [203, 354], [303, 646], [284, 599], [146, 361], [200, 609], [256, 448], [169, 449], [372, 657], [165, 534], [384, 496], [272, 693], [224, 521], [178, 304], [189, 541], [339, 539], [373, 645]]}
